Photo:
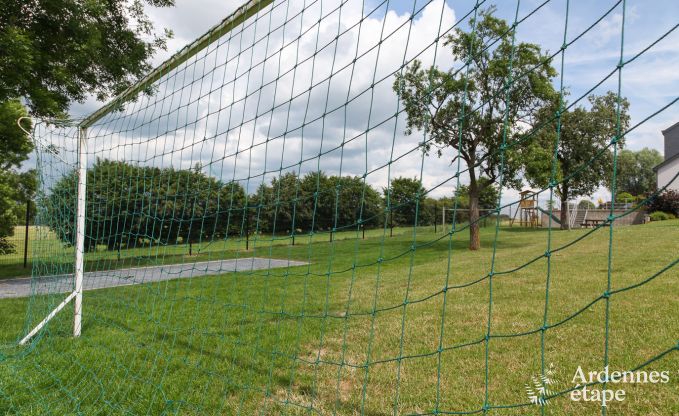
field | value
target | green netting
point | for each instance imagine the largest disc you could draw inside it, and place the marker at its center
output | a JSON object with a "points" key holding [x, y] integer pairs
{"points": [[250, 248]]}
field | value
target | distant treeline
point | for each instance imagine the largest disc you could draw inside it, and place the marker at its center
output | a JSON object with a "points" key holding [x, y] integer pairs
{"points": [[130, 205]]}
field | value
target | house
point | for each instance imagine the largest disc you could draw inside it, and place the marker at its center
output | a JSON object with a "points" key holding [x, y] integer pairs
{"points": [[667, 170]]}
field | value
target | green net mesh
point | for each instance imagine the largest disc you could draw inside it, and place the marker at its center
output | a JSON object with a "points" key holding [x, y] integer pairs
{"points": [[250, 247]]}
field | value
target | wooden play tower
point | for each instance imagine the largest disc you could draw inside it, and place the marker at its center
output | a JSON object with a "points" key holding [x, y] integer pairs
{"points": [[527, 211]]}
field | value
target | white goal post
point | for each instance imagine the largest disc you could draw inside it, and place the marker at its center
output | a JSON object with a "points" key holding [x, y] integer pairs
{"points": [[241, 14]]}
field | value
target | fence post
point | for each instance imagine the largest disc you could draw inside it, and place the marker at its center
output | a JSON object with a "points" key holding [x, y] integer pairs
{"points": [[28, 216], [443, 218], [80, 231], [436, 208]]}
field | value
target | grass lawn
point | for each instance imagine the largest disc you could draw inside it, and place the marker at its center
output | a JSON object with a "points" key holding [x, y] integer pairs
{"points": [[41, 240], [367, 328], [52, 257]]}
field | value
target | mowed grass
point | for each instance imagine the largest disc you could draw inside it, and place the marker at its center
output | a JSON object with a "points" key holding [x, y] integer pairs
{"points": [[42, 242], [49, 256], [366, 328]]}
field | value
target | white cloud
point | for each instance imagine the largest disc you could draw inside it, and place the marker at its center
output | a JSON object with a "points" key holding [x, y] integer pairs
{"points": [[280, 92]]}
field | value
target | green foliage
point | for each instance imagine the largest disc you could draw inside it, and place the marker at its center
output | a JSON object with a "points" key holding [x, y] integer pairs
{"points": [[15, 146], [583, 134], [315, 202], [586, 204], [667, 201], [435, 99], [56, 51], [7, 215], [129, 205], [488, 196], [404, 197], [624, 197], [635, 173], [662, 216], [15, 187]]}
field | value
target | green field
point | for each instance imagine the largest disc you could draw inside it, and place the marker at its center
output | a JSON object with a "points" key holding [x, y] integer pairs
{"points": [[332, 338], [49, 251]]}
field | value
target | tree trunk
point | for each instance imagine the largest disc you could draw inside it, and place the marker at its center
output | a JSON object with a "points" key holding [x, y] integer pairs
{"points": [[565, 223], [474, 237]]}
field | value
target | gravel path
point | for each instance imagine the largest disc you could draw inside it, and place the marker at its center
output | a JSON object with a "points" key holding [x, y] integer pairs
{"points": [[21, 287]]}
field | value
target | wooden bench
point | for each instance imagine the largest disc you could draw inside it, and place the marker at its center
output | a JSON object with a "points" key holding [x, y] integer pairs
{"points": [[592, 223]]}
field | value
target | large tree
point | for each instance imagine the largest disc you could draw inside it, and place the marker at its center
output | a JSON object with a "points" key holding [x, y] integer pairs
{"points": [[53, 52], [129, 205], [584, 154], [15, 187], [406, 197], [635, 173], [316, 201], [474, 109]]}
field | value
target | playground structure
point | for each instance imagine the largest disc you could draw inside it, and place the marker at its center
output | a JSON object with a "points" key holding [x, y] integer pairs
{"points": [[527, 211]]}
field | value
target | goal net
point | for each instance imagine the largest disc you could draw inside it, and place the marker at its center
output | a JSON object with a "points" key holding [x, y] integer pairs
{"points": [[251, 228]]}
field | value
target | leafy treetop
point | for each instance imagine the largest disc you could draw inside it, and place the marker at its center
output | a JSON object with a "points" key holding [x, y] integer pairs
{"points": [[53, 52]]}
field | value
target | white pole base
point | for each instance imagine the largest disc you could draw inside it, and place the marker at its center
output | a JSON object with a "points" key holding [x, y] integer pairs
{"points": [[47, 319]]}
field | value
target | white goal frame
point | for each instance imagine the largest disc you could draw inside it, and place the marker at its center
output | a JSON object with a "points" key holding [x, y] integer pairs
{"points": [[244, 12]]}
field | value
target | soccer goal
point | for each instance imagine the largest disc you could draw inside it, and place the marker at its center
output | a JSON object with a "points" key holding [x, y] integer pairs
{"points": [[250, 228]]}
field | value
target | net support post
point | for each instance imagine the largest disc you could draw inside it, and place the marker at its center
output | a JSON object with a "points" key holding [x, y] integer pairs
{"points": [[44, 322], [80, 232]]}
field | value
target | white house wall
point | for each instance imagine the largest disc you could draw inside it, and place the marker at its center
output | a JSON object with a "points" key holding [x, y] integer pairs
{"points": [[667, 173]]}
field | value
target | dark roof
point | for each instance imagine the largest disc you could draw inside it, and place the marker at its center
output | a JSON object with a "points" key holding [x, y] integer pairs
{"points": [[666, 161], [672, 127]]}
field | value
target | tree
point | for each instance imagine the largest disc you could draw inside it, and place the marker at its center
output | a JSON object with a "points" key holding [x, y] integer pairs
{"points": [[667, 201], [356, 200], [53, 52], [7, 215], [14, 186], [15, 146], [586, 204], [404, 196], [488, 197], [635, 173], [584, 154], [130, 205], [474, 111], [279, 205], [316, 201]]}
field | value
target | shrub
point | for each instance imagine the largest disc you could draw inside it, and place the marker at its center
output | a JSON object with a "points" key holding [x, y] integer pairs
{"points": [[6, 246], [624, 197], [586, 204], [662, 216], [667, 202]]}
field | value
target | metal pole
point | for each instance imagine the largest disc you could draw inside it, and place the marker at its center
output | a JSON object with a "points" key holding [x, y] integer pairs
{"points": [[435, 209], [28, 216], [80, 232], [44, 322], [443, 218], [391, 223], [247, 228]]}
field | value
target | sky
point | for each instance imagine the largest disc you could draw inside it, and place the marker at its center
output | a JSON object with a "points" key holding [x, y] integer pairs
{"points": [[282, 94]]}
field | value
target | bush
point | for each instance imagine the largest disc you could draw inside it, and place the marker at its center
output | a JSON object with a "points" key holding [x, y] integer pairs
{"points": [[586, 204], [662, 216], [667, 202], [624, 197], [6, 246]]}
